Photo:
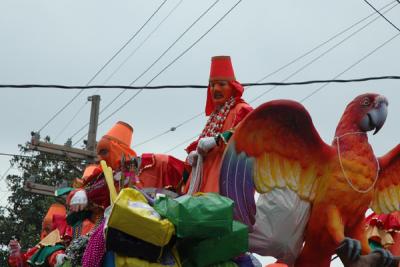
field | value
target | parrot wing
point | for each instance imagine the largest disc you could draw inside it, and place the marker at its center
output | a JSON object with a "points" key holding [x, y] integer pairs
{"points": [[275, 146], [387, 189]]}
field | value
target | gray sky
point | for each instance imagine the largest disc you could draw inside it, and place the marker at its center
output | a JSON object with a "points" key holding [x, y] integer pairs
{"points": [[66, 42]]}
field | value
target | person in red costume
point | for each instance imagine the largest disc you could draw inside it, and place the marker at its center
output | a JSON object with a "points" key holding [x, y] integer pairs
{"points": [[113, 148], [225, 109], [54, 235], [383, 230], [152, 170]]}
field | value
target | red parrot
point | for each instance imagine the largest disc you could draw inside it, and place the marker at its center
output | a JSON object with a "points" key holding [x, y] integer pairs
{"points": [[278, 148]]}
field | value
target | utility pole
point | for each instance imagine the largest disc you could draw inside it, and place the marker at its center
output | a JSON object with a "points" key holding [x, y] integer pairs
{"points": [[94, 118], [88, 154]]}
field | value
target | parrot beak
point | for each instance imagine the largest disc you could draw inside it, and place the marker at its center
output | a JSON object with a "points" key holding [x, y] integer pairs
{"points": [[376, 117]]}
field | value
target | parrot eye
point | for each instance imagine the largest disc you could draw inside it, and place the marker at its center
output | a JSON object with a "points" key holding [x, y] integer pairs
{"points": [[365, 102]]}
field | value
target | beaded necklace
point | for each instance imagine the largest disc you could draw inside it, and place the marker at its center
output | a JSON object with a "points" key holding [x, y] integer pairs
{"points": [[217, 118]]}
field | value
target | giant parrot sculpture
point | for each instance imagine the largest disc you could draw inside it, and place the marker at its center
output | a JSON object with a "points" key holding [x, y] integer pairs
{"points": [[277, 147]]}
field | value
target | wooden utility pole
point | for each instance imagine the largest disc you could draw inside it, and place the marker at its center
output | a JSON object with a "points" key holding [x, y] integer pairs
{"points": [[94, 118], [88, 154]]}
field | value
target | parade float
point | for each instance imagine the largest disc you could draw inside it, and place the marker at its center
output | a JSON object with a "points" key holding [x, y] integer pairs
{"points": [[155, 210]]}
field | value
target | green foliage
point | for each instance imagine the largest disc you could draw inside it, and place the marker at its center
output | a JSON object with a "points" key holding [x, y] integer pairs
{"points": [[23, 215]]}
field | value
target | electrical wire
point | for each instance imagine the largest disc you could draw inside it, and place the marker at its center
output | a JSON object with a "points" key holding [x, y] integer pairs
{"points": [[35, 157], [143, 42], [172, 129], [161, 56], [71, 120], [377, 11], [165, 68], [130, 55], [123, 91], [296, 59], [347, 69], [351, 66], [323, 43], [182, 143], [170, 64], [60, 110], [194, 86], [5, 173], [309, 63], [102, 68]]}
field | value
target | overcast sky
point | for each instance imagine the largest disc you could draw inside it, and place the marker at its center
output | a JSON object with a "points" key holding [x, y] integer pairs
{"points": [[67, 42]]}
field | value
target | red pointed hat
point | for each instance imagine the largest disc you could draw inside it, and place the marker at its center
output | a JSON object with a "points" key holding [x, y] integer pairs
{"points": [[222, 70]]}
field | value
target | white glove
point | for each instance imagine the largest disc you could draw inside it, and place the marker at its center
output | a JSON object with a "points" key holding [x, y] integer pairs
{"points": [[60, 258], [79, 201], [206, 144], [192, 158]]}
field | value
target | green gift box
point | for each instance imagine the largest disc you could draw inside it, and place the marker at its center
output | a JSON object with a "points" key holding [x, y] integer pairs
{"points": [[200, 216], [200, 253]]}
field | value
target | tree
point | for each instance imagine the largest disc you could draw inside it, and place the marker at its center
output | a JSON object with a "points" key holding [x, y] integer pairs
{"points": [[23, 215]]}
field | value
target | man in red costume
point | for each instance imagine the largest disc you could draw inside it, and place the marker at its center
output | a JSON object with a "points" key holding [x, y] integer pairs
{"points": [[113, 148], [152, 170], [225, 109]]}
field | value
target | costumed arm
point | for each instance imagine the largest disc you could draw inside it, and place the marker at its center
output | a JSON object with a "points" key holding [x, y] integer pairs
{"points": [[387, 189], [243, 110]]}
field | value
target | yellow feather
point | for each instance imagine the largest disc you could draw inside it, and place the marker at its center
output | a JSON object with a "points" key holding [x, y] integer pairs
{"points": [[260, 183], [288, 173], [264, 174], [296, 173], [375, 204], [266, 170], [392, 196], [382, 202], [306, 182], [277, 173]]}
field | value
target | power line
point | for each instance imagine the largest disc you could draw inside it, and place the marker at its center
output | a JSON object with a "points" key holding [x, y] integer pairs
{"points": [[201, 37], [325, 42], [351, 66], [182, 143], [130, 55], [321, 87], [60, 110], [143, 42], [286, 65], [377, 11], [178, 57], [196, 86], [5, 173], [261, 79], [35, 157], [161, 56], [170, 64], [172, 129], [71, 120], [309, 63], [120, 93], [102, 68]]}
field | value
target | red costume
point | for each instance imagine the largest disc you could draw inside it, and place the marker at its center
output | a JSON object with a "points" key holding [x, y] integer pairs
{"points": [[55, 219], [384, 229], [160, 171], [222, 118]]}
